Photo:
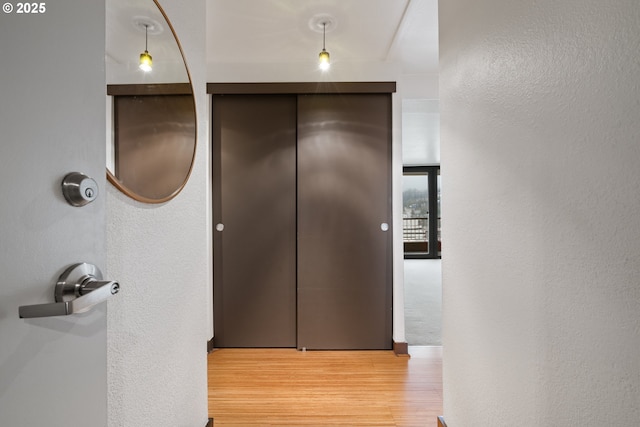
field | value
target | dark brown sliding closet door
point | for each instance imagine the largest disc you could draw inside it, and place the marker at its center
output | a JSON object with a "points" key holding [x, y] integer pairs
{"points": [[254, 220], [344, 202]]}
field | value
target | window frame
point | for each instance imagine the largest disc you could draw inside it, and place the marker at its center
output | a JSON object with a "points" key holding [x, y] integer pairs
{"points": [[432, 173]]}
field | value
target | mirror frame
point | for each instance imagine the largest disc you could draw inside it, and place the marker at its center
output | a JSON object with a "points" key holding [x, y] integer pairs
{"points": [[121, 186]]}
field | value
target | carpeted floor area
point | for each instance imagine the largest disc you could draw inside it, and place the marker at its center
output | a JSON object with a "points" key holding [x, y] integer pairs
{"points": [[423, 301]]}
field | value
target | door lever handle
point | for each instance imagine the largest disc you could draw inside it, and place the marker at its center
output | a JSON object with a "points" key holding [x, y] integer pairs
{"points": [[78, 289]]}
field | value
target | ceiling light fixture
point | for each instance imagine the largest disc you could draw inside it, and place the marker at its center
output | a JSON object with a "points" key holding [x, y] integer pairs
{"points": [[145, 59], [324, 55]]}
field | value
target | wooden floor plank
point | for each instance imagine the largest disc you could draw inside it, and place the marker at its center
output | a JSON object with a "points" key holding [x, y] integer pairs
{"points": [[288, 388]]}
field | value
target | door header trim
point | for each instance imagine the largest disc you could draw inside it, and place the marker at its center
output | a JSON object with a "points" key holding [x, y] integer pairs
{"points": [[299, 88]]}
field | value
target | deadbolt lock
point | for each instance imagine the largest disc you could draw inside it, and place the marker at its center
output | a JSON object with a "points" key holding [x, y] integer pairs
{"points": [[78, 189]]}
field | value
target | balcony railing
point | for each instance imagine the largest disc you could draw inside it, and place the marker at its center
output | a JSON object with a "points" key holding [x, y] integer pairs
{"points": [[415, 229], [415, 233]]}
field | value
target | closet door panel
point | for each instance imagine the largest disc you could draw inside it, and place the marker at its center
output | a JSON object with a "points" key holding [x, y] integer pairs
{"points": [[344, 197], [255, 201]]}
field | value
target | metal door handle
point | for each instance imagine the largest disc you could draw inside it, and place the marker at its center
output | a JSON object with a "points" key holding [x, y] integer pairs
{"points": [[78, 289]]}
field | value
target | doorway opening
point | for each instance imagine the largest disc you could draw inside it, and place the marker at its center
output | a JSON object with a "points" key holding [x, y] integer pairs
{"points": [[421, 222]]}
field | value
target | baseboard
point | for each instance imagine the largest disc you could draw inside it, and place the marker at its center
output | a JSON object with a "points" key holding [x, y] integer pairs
{"points": [[401, 348], [441, 422], [210, 346], [210, 423]]}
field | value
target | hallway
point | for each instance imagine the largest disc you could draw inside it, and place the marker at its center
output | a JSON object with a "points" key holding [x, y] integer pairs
{"points": [[423, 301], [286, 387]]}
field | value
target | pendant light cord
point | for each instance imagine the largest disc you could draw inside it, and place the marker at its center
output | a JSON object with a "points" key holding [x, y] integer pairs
{"points": [[324, 28]]}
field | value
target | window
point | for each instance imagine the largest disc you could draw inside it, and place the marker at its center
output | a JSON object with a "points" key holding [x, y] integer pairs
{"points": [[421, 212]]}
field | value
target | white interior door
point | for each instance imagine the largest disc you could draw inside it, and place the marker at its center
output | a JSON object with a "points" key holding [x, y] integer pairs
{"points": [[52, 122]]}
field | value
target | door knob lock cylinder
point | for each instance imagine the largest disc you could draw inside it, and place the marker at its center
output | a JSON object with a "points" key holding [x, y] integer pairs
{"points": [[78, 189]]}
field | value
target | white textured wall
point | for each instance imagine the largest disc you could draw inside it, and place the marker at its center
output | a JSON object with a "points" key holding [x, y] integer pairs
{"points": [[159, 325], [420, 132], [540, 159]]}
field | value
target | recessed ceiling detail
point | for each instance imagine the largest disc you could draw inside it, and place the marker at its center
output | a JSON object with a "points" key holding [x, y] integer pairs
{"points": [[318, 22], [154, 27]]}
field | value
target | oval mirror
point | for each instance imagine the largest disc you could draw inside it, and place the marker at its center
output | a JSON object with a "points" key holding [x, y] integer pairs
{"points": [[151, 119]]}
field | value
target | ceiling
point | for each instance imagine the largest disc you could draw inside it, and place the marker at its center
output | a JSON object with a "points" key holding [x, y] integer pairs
{"points": [[126, 39], [275, 33], [403, 32]]}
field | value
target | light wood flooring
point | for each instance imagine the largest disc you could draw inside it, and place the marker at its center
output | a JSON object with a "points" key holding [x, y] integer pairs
{"points": [[286, 387]]}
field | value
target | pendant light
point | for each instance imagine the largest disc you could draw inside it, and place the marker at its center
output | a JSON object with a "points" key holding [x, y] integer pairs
{"points": [[324, 55], [145, 59]]}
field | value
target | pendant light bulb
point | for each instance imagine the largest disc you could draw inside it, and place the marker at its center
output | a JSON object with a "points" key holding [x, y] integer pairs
{"points": [[325, 63], [146, 61], [324, 58]]}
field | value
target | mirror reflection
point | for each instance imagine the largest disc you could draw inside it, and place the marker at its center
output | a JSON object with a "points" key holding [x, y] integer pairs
{"points": [[151, 125]]}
